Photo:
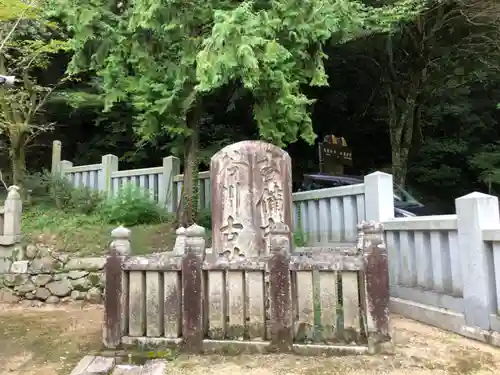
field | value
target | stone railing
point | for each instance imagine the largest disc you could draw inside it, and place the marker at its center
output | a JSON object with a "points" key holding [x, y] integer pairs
{"points": [[445, 269], [203, 300]]}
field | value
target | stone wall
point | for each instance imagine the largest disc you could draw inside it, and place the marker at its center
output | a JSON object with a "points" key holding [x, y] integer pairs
{"points": [[34, 274]]}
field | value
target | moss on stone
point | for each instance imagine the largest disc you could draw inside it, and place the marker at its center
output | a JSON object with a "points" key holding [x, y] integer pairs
{"points": [[94, 279], [235, 331]]}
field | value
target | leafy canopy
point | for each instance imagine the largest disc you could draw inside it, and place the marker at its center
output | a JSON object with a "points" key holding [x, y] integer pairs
{"points": [[27, 43], [163, 55]]}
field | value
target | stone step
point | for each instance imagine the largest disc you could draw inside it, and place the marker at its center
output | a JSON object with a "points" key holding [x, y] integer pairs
{"points": [[96, 365], [154, 367], [127, 370]]}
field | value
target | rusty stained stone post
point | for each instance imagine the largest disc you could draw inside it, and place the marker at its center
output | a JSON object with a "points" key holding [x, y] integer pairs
{"points": [[280, 298], [376, 285], [119, 247], [192, 296]]}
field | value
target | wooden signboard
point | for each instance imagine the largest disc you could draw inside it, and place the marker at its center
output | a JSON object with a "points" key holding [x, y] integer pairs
{"points": [[334, 150]]}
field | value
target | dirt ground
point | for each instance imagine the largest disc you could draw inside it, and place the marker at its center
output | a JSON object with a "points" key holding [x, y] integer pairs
{"points": [[50, 341]]}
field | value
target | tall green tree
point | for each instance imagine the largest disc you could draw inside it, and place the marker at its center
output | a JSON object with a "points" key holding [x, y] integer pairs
{"points": [[440, 54], [168, 57], [27, 44]]}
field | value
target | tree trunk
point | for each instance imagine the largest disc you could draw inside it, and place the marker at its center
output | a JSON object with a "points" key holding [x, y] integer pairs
{"points": [[401, 125], [18, 163], [402, 113], [399, 165], [188, 208]]}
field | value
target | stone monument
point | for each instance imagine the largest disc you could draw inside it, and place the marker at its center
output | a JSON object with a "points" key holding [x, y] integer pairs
{"points": [[251, 190]]}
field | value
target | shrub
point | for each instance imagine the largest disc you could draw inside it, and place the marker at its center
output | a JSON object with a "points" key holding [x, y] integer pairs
{"points": [[57, 191], [132, 206], [299, 238], [204, 219]]}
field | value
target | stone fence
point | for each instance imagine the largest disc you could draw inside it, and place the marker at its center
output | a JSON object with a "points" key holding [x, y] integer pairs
{"points": [[444, 270], [322, 301]]}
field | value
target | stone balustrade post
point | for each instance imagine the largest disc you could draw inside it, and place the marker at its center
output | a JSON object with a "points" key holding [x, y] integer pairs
{"points": [[279, 239], [114, 327], [180, 241], [476, 212], [121, 241], [13, 207], [195, 240], [279, 305], [192, 285], [375, 288]]}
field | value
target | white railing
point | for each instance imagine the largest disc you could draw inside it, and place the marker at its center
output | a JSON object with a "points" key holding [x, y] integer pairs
{"points": [[322, 216], [445, 270], [329, 215]]}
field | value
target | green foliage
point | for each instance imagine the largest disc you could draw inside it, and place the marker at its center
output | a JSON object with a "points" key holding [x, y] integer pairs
{"points": [[163, 56], [88, 235], [204, 219], [132, 206], [58, 192], [28, 42], [277, 47], [487, 162], [29, 39], [299, 238], [44, 217]]}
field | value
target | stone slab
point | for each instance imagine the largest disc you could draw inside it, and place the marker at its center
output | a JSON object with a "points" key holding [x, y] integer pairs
{"points": [[86, 264], [101, 366], [82, 366], [428, 297], [94, 365], [154, 367], [20, 266], [435, 316], [127, 370]]}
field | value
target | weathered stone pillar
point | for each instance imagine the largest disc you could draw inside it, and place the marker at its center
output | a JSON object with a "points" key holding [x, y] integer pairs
{"points": [[192, 285], [114, 294], [280, 288], [375, 291], [13, 207]]}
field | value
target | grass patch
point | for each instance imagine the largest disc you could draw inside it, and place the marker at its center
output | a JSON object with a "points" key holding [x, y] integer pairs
{"points": [[90, 234], [47, 342], [51, 341]]}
